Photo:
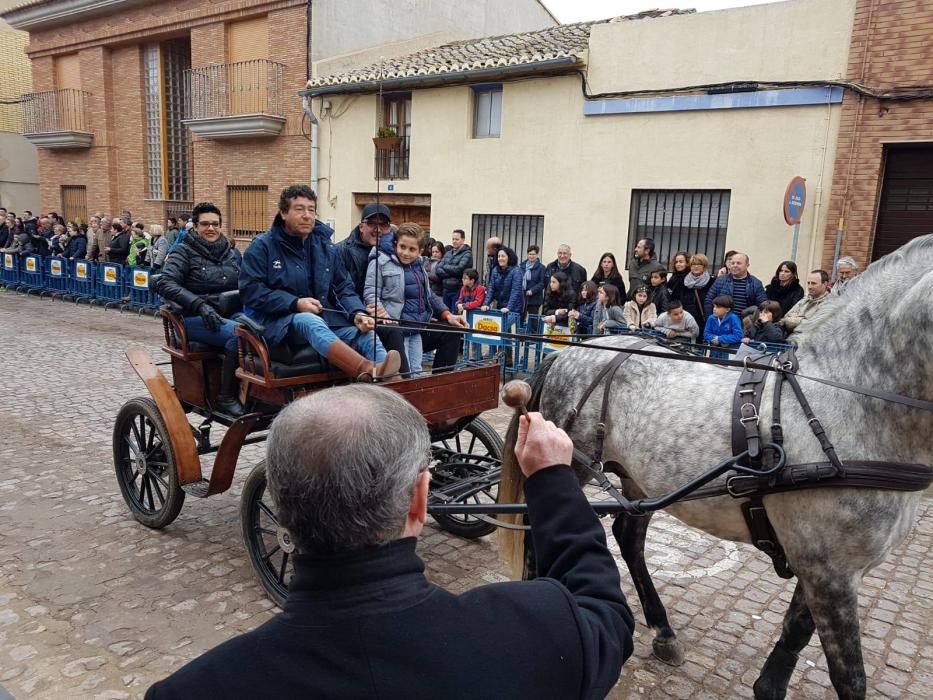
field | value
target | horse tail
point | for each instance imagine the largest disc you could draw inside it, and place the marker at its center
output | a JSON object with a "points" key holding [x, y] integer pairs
{"points": [[511, 487]]}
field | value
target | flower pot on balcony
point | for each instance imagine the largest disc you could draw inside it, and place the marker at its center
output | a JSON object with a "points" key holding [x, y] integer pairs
{"points": [[387, 143]]}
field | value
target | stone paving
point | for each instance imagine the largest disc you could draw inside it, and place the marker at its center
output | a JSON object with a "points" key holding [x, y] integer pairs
{"points": [[94, 605]]}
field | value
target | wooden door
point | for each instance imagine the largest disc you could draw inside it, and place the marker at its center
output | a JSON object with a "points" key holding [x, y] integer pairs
{"points": [[906, 207], [413, 214]]}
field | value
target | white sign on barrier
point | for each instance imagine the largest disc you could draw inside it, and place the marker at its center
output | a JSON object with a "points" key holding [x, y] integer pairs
{"points": [[8, 261], [490, 323], [557, 333], [141, 279], [81, 271]]}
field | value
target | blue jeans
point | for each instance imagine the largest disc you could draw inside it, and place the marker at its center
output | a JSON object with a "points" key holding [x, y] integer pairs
{"points": [[450, 300], [312, 330], [414, 350], [199, 333]]}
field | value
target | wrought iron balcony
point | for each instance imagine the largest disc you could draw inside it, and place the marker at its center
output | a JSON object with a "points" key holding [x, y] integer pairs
{"points": [[235, 100], [56, 119]]}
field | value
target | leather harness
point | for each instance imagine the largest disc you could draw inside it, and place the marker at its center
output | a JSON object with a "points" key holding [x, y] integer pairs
{"points": [[751, 454]]}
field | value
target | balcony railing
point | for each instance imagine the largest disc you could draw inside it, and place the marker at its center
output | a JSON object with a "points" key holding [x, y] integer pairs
{"points": [[236, 100], [56, 119], [393, 165]]}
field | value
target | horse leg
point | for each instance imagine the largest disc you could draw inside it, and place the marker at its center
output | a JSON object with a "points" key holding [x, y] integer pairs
{"points": [[630, 531], [834, 606], [798, 628]]}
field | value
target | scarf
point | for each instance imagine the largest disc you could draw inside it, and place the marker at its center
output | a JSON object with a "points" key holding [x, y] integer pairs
{"points": [[691, 281], [214, 251]]}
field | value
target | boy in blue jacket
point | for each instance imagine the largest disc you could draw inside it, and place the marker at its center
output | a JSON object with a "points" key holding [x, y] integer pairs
{"points": [[723, 327]]}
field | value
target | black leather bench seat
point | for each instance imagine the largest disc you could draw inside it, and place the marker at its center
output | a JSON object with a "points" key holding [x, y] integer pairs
{"points": [[287, 361]]}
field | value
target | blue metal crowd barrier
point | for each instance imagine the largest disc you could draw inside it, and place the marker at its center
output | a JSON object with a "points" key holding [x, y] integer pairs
{"points": [[56, 276], [82, 280], [32, 274], [476, 342], [110, 285], [138, 286], [10, 270]]}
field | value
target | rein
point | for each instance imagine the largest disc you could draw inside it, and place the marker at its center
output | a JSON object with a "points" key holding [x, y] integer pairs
{"points": [[881, 395]]}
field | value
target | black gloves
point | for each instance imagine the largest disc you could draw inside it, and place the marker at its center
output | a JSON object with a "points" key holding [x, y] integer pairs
{"points": [[212, 320]]}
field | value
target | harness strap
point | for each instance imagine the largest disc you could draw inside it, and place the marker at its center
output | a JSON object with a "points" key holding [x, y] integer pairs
{"points": [[745, 405], [595, 465], [816, 426]]}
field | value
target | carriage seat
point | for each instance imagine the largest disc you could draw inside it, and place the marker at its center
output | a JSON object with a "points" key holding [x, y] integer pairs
{"points": [[285, 361]]}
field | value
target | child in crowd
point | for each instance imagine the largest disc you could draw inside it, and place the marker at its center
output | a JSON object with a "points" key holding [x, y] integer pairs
{"points": [[583, 314], [640, 312], [139, 246], [397, 272], [723, 328], [608, 312], [676, 323], [765, 329], [659, 293], [559, 299], [472, 292]]}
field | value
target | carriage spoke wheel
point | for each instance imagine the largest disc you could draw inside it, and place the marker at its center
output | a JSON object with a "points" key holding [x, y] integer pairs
{"points": [[145, 464], [269, 545], [477, 438]]}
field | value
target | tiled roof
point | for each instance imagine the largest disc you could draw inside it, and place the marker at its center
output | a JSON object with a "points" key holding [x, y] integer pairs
{"points": [[529, 48]]}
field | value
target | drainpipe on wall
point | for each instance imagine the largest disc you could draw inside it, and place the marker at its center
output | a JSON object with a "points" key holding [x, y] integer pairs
{"points": [[315, 148]]}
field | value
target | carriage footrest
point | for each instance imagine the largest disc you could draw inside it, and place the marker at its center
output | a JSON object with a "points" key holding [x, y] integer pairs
{"points": [[198, 489]]}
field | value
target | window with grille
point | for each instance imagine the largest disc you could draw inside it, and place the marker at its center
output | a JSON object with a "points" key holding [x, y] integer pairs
{"points": [[396, 114], [74, 203], [167, 144], [690, 220], [517, 231], [246, 210], [487, 111]]}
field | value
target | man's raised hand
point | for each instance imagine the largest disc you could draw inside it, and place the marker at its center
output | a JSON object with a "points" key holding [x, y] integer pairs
{"points": [[541, 444]]}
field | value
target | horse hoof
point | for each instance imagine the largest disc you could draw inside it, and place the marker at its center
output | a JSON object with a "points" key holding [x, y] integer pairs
{"points": [[669, 651]]}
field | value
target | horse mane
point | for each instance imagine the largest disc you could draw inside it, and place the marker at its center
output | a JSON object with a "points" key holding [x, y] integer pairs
{"points": [[882, 284]]}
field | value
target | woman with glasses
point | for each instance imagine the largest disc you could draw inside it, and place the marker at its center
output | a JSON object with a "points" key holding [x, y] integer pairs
{"points": [[203, 265]]}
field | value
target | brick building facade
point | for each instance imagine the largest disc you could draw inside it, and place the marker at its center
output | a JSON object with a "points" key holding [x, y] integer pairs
{"points": [[131, 72], [882, 192], [152, 106]]}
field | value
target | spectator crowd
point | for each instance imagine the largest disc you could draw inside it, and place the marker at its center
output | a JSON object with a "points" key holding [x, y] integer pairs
{"points": [[690, 299]]}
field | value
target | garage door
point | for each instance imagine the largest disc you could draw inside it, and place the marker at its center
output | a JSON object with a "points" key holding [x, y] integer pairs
{"points": [[906, 209]]}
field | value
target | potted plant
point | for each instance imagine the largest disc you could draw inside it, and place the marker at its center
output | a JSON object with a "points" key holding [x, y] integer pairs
{"points": [[386, 139]]}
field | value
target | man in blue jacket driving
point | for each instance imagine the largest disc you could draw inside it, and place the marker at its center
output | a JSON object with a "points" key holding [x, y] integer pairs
{"points": [[294, 285]]}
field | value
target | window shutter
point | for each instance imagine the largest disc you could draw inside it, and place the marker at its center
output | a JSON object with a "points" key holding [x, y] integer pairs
{"points": [[248, 40], [68, 72]]}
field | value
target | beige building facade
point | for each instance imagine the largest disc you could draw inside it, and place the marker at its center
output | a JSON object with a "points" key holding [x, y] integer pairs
{"points": [[683, 127]]}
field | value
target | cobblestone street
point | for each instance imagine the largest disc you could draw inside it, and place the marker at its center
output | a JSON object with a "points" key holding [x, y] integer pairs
{"points": [[94, 605]]}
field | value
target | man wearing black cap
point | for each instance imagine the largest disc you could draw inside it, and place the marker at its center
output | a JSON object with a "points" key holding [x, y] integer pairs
{"points": [[354, 250]]}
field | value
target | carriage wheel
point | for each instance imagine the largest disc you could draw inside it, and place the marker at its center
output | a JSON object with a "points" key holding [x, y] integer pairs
{"points": [[270, 547], [145, 464], [477, 438]]}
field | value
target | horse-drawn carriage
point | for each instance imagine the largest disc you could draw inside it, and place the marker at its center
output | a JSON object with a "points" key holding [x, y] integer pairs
{"points": [[157, 449]]}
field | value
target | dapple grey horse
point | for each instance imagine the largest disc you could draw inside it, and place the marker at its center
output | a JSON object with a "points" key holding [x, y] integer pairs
{"points": [[877, 335]]}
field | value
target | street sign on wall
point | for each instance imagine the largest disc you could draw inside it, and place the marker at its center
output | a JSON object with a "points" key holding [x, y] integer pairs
{"points": [[795, 198]]}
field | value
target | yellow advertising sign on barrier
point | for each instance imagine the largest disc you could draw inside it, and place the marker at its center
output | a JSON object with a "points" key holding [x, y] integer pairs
{"points": [[488, 323], [31, 265], [8, 261], [55, 267], [141, 279], [110, 275], [81, 271], [557, 333]]}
